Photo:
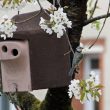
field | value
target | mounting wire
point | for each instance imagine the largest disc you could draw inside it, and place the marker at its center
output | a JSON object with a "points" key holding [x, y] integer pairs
{"points": [[31, 16], [23, 21], [18, 12], [101, 28], [41, 9], [58, 1], [53, 2]]}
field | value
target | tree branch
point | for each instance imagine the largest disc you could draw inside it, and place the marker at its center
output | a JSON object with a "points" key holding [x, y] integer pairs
{"points": [[95, 5], [96, 18]]}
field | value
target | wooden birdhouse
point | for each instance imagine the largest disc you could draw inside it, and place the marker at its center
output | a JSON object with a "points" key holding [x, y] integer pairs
{"points": [[33, 59]]}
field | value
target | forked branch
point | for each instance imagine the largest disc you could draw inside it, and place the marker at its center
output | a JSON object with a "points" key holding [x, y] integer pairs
{"points": [[96, 18]]}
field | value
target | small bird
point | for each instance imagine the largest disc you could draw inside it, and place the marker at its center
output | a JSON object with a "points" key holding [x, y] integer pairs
{"points": [[78, 56]]}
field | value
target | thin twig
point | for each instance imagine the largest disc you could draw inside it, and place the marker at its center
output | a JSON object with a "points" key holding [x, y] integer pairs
{"points": [[16, 106], [68, 42], [95, 5], [67, 53], [101, 28], [86, 22]]}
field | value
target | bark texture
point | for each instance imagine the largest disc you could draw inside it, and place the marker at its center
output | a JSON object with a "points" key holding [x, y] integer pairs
{"points": [[57, 98]]}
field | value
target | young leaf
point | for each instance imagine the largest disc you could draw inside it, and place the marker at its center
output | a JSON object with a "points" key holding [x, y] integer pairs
{"points": [[4, 2], [99, 86], [83, 93]]}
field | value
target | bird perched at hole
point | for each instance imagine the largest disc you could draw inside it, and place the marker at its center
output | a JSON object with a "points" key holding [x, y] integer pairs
{"points": [[78, 56]]}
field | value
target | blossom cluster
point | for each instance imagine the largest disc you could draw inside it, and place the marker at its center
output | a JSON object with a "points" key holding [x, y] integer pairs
{"points": [[85, 89], [7, 27], [13, 4], [58, 23]]}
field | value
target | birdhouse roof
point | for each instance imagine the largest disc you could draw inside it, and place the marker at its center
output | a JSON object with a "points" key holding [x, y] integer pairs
{"points": [[28, 24]]}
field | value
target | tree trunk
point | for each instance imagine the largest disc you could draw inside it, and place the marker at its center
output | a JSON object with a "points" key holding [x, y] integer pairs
{"points": [[57, 98]]}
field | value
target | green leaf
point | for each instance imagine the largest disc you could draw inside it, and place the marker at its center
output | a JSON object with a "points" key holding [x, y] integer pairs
{"points": [[99, 86], [96, 24], [97, 94], [4, 2], [91, 92], [29, 0], [82, 83], [83, 93], [17, 1]]}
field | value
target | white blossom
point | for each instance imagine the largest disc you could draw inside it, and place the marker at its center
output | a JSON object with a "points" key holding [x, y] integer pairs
{"points": [[74, 89], [84, 99], [59, 29], [100, 92], [42, 21], [58, 23], [49, 30], [45, 27], [92, 77], [7, 27], [87, 85], [3, 36], [85, 89], [69, 24], [97, 98], [92, 74], [85, 49], [70, 94]]}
